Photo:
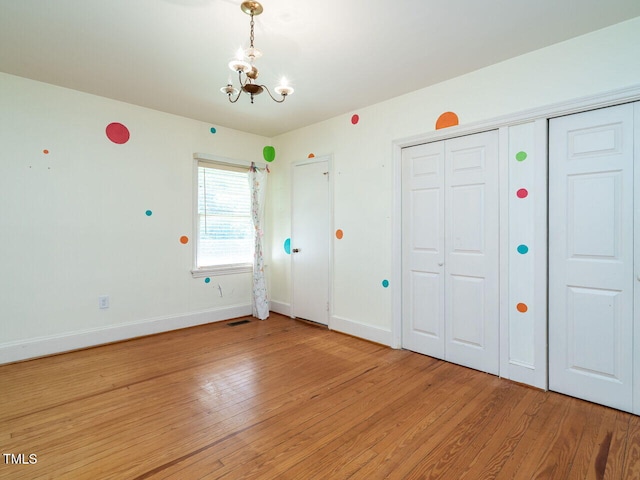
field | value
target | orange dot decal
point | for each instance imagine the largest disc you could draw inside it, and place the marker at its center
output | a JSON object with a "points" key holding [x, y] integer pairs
{"points": [[447, 119], [522, 307], [311, 155], [339, 234], [45, 151], [184, 239]]}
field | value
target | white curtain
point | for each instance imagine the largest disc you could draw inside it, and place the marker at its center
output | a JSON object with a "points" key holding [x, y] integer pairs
{"points": [[258, 187]]}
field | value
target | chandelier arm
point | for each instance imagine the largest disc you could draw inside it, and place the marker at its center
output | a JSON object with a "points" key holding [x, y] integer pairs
{"points": [[237, 97], [272, 97]]}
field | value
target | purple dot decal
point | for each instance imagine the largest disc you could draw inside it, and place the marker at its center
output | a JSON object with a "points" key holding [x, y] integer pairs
{"points": [[117, 133], [521, 156], [523, 249], [522, 193], [385, 283], [148, 213], [355, 119]]}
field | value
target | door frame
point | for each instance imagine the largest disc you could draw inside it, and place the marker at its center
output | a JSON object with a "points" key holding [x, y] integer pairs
{"points": [[330, 202], [539, 116]]}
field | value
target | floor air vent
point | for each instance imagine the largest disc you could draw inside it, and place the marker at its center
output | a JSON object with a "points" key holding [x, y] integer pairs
{"points": [[239, 322]]}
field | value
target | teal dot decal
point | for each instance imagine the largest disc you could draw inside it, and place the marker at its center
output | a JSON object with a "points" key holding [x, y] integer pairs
{"points": [[207, 280], [148, 213], [521, 156], [385, 283], [213, 130], [522, 249], [269, 153], [287, 246]]}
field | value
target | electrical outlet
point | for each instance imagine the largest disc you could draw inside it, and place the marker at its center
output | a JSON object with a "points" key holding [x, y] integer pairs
{"points": [[103, 301]]}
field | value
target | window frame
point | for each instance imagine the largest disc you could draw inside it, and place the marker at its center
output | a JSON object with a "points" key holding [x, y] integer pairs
{"points": [[222, 162]]}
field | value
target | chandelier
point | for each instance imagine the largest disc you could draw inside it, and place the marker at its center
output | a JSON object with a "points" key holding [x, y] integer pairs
{"points": [[247, 71]]}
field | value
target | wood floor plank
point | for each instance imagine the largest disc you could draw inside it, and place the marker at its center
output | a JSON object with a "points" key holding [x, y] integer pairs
{"points": [[284, 399]]}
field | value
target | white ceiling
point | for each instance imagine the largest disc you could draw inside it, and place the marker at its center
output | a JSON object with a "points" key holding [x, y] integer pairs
{"points": [[340, 55]]}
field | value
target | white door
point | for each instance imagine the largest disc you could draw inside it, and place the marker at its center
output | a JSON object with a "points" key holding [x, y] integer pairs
{"points": [[591, 237], [450, 250], [310, 236]]}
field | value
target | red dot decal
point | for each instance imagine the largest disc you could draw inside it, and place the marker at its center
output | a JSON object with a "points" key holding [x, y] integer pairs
{"points": [[184, 239], [522, 193], [447, 119], [522, 307], [355, 119], [117, 133], [339, 234]]}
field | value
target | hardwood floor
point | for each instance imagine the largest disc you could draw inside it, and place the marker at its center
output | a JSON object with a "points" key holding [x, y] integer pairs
{"points": [[284, 399]]}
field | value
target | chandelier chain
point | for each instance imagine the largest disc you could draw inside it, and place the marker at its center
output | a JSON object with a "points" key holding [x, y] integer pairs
{"points": [[251, 36]]}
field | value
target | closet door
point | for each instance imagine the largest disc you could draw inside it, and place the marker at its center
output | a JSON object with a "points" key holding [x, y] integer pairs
{"points": [[591, 249], [423, 249], [450, 250], [471, 251]]}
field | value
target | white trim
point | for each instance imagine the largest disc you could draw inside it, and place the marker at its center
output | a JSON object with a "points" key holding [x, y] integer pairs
{"points": [[53, 344], [360, 330], [222, 270], [281, 308], [226, 161], [503, 250]]}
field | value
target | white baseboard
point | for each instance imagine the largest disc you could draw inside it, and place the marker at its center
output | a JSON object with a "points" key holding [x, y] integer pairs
{"points": [[280, 307], [360, 330], [42, 346]]}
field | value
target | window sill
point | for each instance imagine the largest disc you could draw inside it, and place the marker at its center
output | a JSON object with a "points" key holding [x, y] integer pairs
{"points": [[222, 270]]}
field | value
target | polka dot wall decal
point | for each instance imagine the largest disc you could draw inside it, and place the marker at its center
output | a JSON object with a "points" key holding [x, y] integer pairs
{"points": [[447, 119], [339, 234], [522, 307], [45, 151], [269, 153], [117, 133], [184, 239], [287, 246], [355, 119], [311, 155], [523, 249], [148, 213], [385, 283], [521, 156], [522, 193], [213, 130], [207, 280]]}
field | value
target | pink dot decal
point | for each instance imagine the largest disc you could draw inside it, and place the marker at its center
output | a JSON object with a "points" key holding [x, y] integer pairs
{"points": [[522, 193], [117, 133], [355, 119]]}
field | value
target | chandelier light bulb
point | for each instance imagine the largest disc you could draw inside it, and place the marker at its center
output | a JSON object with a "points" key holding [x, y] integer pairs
{"points": [[284, 88]]}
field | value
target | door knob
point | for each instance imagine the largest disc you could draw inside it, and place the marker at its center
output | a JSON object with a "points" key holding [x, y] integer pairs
{"points": [[440, 264], [296, 250]]}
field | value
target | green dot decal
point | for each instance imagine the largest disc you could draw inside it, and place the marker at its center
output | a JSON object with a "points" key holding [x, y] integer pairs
{"points": [[148, 213], [521, 156], [207, 280], [522, 249], [385, 283], [269, 153]]}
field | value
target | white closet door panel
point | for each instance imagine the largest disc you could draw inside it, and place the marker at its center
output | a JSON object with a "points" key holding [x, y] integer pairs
{"points": [[471, 256], [591, 222], [423, 249]]}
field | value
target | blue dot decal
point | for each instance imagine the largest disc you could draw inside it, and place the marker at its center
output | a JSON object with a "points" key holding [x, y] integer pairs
{"points": [[522, 249], [385, 283], [148, 213], [207, 280], [287, 246]]}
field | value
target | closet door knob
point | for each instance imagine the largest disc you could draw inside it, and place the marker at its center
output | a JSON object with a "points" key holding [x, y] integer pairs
{"points": [[440, 264], [296, 250]]}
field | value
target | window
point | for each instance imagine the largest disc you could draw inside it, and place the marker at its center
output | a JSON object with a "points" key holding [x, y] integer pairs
{"points": [[224, 230]]}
